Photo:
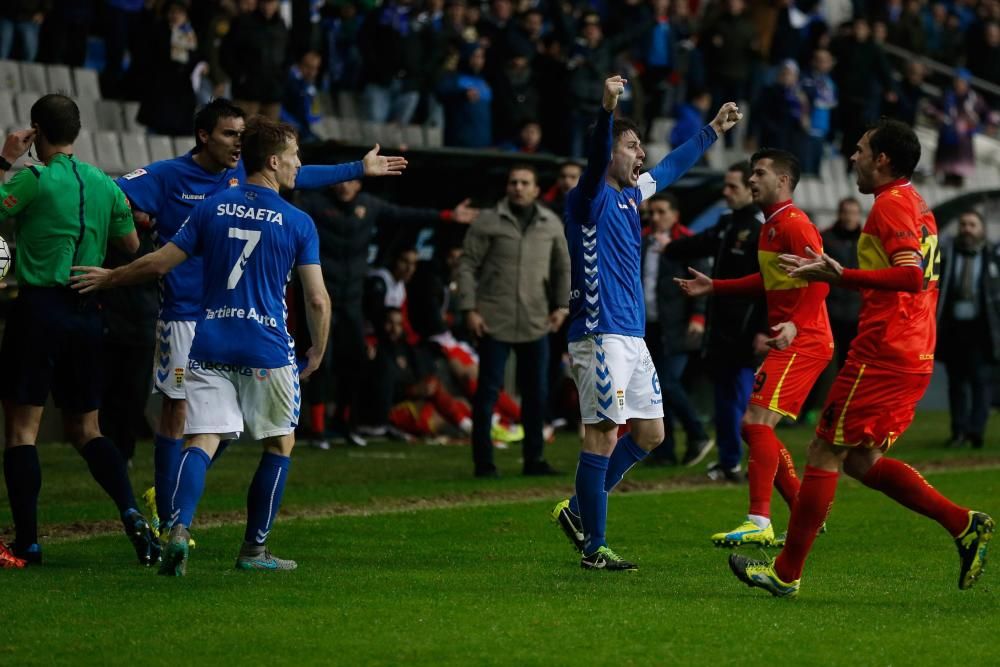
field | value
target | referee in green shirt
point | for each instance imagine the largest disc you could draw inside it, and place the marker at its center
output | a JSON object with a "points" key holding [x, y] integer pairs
{"points": [[66, 213]]}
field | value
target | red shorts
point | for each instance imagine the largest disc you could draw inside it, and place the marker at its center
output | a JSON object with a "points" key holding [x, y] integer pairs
{"points": [[870, 406], [784, 380]]}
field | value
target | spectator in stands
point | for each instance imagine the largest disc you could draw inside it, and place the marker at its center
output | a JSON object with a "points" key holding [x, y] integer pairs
{"points": [[909, 94], [123, 22], [219, 24], [347, 220], [20, 23], [960, 113], [516, 96], [592, 58], [907, 31], [657, 53], [690, 116], [341, 30], [984, 61], [735, 326], [729, 44], [495, 27], [513, 286], [168, 101], [300, 106], [674, 327], [821, 94], [64, 33], [783, 111], [253, 55], [467, 99], [526, 36], [529, 139], [569, 176], [969, 327], [393, 51]]}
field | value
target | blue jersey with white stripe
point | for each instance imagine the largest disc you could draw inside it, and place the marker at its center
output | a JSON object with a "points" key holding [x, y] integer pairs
{"points": [[603, 232], [249, 239], [169, 190]]}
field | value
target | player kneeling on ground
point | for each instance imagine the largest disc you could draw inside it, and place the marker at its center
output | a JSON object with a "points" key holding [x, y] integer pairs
{"points": [[242, 364]]}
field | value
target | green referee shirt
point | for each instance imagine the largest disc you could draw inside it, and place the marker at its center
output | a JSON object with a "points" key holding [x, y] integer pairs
{"points": [[65, 211]]}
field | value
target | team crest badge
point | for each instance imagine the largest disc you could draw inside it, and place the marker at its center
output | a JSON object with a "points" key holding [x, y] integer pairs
{"points": [[10, 201], [178, 376], [233, 182], [360, 212], [621, 399]]}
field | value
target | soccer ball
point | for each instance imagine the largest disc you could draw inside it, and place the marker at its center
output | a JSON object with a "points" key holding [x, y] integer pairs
{"points": [[4, 258]]}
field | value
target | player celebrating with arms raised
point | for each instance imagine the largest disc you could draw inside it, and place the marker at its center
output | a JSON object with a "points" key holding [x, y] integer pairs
{"points": [[800, 349], [242, 363], [611, 365], [888, 368]]}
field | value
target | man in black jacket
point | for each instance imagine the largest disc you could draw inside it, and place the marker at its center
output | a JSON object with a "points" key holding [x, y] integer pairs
{"points": [[735, 326], [969, 327], [346, 220]]}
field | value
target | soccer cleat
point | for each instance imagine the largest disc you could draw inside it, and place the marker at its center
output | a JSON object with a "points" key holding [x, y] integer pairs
{"points": [[145, 541], [149, 505], [744, 534], [9, 561], [972, 544], [259, 557], [696, 451], [31, 554], [175, 553], [570, 523], [606, 559], [503, 434], [761, 574]]}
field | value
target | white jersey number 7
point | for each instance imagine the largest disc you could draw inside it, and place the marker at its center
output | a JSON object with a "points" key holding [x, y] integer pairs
{"points": [[252, 238]]}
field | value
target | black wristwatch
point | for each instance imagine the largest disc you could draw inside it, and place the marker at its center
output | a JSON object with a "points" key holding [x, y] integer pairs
{"points": [[4, 165]]}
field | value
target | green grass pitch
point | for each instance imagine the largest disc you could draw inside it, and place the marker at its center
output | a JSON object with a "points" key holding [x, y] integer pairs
{"points": [[406, 560]]}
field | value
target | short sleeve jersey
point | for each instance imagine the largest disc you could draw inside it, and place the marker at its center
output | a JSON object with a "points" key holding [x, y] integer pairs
{"points": [[66, 212], [168, 191], [789, 230], [249, 239], [897, 330]]}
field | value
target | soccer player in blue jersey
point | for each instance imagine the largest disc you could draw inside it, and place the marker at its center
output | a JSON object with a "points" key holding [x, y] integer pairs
{"points": [[611, 366], [168, 191], [242, 369]]}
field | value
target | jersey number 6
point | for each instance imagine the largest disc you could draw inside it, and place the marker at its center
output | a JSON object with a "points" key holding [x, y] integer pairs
{"points": [[252, 238]]}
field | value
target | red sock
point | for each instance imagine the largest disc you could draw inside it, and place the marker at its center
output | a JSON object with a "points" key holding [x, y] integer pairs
{"points": [[786, 480], [452, 409], [909, 488], [808, 514], [508, 408], [762, 465], [317, 418]]}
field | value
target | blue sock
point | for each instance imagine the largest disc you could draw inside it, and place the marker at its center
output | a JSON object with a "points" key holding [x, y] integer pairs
{"points": [[221, 448], [625, 455], [108, 467], [190, 485], [166, 459], [264, 496], [593, 499]]}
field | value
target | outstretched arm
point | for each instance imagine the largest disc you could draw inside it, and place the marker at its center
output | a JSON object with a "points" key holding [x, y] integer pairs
{"points": [[685, 156], [314, 176], [147, 267]]}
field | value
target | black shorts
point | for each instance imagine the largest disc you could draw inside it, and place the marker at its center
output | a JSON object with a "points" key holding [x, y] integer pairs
{"points": [[53, 342]]}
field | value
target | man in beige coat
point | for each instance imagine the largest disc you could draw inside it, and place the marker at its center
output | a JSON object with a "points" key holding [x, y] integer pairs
{"points": [[513, 286]]}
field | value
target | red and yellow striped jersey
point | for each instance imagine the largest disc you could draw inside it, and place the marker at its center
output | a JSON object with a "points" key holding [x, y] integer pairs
{"points": [[787, 229], [897, 330]]}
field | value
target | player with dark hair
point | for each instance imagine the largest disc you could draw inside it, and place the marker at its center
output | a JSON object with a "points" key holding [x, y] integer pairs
{"points": [[801, 347], [888, 368], [168, 190], [611, 366], [242, 367], [67, 212]]}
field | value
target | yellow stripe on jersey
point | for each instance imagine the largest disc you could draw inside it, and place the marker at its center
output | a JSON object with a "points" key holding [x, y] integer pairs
{"points": [[871, 254], [838, 434], [775, 277], [776, 398]]}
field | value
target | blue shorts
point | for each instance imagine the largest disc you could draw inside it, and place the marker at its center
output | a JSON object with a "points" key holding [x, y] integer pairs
{"points": [[53, 342]]}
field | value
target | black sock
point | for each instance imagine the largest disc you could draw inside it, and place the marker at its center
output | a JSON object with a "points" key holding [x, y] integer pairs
{"points": [[24, 480], [109, 469]]}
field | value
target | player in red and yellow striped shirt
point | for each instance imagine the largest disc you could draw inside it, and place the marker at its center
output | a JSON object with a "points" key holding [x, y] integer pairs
{"points": [[800, 349], [888, 367]]}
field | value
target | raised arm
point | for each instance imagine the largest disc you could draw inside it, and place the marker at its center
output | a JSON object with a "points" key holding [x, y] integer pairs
{"points": [[599, 148], [678, 161]]}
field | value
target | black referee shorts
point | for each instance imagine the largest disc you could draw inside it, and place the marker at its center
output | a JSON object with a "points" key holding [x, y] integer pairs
{"points": [[53, 342]]}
